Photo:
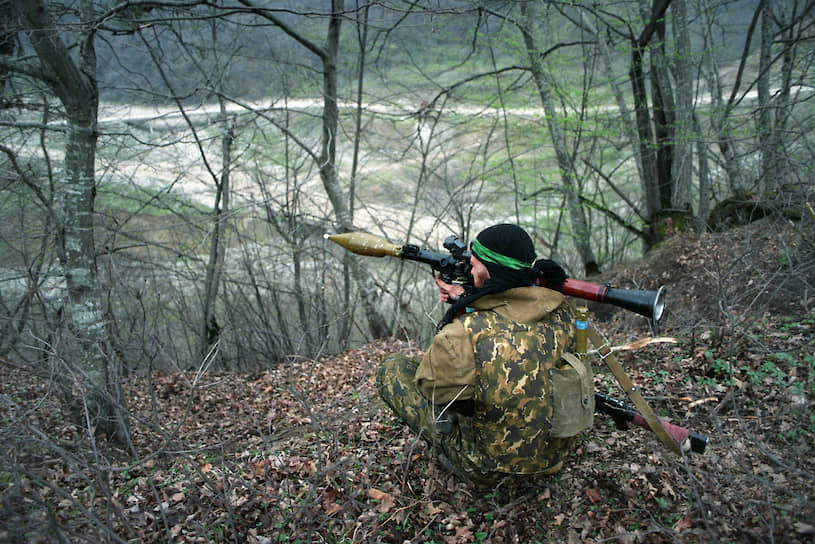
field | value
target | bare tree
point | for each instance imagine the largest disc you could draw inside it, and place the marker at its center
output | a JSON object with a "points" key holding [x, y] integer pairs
{"points": [[721, 125], [782, 29], [326, 157], [72, 78], [683, 130], [661, 133], [566, 163]]}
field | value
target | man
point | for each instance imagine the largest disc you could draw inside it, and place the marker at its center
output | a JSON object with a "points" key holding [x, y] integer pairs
{"points": [[483, 393]]}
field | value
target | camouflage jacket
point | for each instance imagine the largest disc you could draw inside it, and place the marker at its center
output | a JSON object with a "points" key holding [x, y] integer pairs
{"points": [[501, 356]]}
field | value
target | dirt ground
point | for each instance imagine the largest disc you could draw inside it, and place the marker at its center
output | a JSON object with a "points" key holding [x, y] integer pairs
{"points": [[306, 452]]}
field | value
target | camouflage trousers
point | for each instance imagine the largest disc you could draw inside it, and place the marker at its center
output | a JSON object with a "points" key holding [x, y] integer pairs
{"points": [[446, 433]]}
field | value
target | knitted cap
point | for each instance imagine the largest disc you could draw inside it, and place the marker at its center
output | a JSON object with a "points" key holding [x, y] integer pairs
{"points": [[505, 245]]}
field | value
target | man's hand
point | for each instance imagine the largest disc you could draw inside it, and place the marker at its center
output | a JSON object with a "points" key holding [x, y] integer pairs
{"points": [[449, 293], [551, 273]]}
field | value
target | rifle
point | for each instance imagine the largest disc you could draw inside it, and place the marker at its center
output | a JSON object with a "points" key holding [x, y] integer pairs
{"points": [[455, 269], [622, 414]]}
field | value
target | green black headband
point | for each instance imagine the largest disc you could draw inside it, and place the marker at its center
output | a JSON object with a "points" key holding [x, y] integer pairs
{"points": [[484, 253]]}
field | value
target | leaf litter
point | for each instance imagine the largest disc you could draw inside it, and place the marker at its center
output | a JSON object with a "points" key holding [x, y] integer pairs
{"points": [[305, 451]]}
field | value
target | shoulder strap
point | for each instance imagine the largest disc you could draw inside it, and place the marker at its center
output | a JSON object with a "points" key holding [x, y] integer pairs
{"points": [[648, 414]]}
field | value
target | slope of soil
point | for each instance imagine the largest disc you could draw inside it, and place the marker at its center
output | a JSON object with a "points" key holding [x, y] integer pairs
{"points": [[306, 452]]}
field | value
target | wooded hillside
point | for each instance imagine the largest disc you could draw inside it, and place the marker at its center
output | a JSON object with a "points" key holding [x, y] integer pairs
{"points": [[305, 451], [170, 306]]}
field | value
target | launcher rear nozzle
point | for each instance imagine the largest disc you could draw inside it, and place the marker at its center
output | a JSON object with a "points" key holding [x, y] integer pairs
{"points": [[366, 244]]}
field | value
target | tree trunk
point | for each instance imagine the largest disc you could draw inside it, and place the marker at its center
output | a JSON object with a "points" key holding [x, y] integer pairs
{"points": [[362, 39], [568, 174], [721, 109], [705, 185], [629, 124], [781, 106], [774, 106], [328, 172], [645, 141], [210, 330], [764, 129], [8, 44], [657, 129], [75, 85], [663, 120], [683, 132]]}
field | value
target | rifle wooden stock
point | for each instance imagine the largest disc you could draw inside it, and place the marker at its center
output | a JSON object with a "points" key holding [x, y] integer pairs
{"points": [[622, 414]]}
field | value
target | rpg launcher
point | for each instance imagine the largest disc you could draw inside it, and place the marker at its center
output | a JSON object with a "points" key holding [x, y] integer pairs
{"points": [[650, 304], [454, 268]]}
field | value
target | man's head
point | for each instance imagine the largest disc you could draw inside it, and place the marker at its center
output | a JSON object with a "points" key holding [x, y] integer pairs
{"points": [[504, 253]]}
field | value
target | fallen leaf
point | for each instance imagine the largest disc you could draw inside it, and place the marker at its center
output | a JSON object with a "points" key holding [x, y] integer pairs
{"points": [[684, 523], [385, 499], [463, 534], [593, 496]]}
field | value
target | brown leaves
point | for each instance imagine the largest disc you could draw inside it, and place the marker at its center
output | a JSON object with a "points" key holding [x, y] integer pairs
{"points": [[385, 500], [593, 496], [307, 448]]}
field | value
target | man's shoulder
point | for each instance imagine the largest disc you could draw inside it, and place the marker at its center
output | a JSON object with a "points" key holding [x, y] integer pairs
{"points": [[522, 303]]}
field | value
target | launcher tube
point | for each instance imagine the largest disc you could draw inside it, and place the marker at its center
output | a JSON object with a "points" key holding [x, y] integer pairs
{"points": [[650, 304]]}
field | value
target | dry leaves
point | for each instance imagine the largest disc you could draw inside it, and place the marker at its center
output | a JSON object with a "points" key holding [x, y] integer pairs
{"points": [[304, 450]]}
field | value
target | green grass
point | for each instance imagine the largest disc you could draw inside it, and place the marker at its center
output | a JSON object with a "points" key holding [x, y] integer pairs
{"points": [[114, 198]]}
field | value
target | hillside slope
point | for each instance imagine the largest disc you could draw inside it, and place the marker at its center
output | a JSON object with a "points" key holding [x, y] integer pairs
{"points": [[306, 452]]}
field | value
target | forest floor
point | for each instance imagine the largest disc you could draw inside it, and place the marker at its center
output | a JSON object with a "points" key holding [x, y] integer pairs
{"points": [[306, 452]]}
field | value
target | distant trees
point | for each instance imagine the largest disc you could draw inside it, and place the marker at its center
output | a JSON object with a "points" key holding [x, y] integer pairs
{"points": [[785, 29], [198, 218], [664, 114]]}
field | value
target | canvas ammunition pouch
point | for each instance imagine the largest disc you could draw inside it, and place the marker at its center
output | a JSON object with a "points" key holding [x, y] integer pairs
{"points": [[572, 397]]}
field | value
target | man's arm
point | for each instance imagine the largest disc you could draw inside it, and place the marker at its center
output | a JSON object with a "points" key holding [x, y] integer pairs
{"points": [[448, 292], [447, 371]]}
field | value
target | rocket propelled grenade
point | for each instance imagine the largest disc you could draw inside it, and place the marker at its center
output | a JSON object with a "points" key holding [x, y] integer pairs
{"points": [[366, 244], [454, 268]]}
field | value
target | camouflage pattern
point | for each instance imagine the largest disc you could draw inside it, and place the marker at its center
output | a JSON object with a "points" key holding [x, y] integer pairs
{"points": [[513, 392], [508, 434], [444, 432], [396, 386]]}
